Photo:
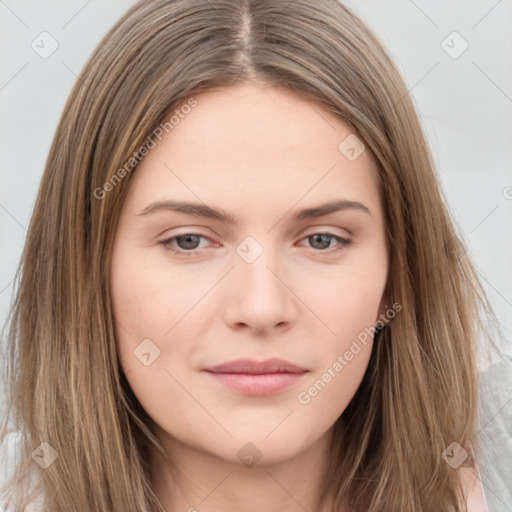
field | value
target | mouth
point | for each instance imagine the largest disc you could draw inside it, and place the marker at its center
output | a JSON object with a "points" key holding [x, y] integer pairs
{"points": [[253, 378]]}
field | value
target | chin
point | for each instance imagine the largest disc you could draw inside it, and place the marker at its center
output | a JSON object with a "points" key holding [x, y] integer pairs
{"points": [[253, 447]]}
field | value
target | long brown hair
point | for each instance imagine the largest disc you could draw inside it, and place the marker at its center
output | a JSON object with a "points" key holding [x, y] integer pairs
{"points": [[65, 385]]}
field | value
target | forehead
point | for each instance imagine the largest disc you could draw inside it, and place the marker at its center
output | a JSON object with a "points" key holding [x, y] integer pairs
{"points": [[248, 144], [250, 121]]}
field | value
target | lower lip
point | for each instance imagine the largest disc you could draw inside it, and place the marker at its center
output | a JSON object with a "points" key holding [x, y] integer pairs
{"points": [[257, 385]]}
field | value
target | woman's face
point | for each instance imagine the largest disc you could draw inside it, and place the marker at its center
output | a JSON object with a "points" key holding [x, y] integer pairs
{"points": [[262, 270]]}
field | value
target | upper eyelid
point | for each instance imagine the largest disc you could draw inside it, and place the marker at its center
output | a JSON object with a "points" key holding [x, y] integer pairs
{"points": [[315, 230]]}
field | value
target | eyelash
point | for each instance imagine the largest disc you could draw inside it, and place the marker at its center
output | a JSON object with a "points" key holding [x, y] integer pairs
{"points": [[344, 243]]}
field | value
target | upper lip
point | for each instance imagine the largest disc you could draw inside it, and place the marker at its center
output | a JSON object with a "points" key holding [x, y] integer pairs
{"points": [[250, 366]]}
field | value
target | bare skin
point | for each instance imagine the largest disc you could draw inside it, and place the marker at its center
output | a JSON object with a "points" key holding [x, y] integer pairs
{"points": [[260, 155]]}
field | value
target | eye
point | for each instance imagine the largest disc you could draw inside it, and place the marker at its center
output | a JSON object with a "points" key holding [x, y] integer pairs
{"points": [[188, 243], [323, 240]]}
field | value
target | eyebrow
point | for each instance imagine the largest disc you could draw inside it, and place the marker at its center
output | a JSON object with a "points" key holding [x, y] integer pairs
{"points": [[205, 211]]}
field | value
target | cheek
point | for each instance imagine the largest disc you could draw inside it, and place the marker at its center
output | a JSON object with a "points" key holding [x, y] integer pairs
{"points": [[346, 303], [157, 325], [142, 315], [148, 300], [338, 374], [348, 307], [136, 307], [337, 378]]}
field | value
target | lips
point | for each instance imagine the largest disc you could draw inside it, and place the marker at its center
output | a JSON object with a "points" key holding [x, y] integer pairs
{"points": [[254, 378], [251, 367]]}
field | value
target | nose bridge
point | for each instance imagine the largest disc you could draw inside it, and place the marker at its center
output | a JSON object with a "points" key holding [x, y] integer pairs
{"points": [[257, 265], [258, 295]]}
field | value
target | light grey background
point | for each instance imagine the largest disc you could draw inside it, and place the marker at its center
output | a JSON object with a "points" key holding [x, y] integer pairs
{"points": [[465, 104]]}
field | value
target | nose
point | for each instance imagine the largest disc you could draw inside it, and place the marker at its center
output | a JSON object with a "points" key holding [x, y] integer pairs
{"points": [[258, 296]]}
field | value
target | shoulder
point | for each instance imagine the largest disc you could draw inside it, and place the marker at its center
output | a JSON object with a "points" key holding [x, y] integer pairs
{"points": [[473, 489]]}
